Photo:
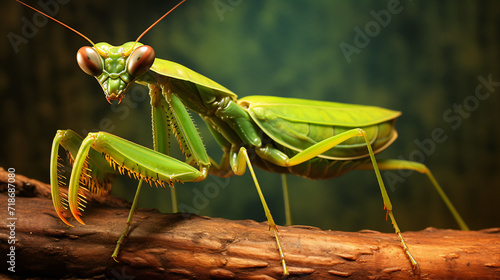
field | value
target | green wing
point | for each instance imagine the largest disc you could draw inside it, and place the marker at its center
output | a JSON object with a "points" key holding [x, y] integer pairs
{"points": [[299, 123], [319, 112], [177, 71]]}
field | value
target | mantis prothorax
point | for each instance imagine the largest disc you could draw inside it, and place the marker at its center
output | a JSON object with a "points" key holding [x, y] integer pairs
{"points": [[312, 139]]}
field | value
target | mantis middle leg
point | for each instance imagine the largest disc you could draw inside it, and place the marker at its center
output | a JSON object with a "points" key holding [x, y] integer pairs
{"points": [[239, 163], [161, 123]]}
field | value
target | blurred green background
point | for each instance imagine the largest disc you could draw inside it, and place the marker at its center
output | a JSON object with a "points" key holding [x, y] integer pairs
{"points": [[424, 61]]}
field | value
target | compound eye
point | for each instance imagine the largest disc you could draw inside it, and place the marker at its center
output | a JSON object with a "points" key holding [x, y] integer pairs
{"points": [[140, 60], [89, 60]]}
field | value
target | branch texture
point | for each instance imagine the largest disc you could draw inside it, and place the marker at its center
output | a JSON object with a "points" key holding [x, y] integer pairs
{"points": [[184, 246]]}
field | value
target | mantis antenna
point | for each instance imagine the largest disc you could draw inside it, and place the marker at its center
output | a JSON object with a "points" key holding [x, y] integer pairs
{"points": [[85, 37], [61, 23], [152, 25]]}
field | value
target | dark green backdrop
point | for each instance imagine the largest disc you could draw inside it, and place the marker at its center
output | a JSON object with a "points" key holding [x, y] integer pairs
{"points": [[426, 60]]}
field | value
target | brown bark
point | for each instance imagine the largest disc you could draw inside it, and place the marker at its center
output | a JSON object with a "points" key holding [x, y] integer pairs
{"points": [[182, 246]]}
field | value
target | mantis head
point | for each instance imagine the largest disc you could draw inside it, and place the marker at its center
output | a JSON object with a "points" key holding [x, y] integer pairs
{"points": [[116, 68]]}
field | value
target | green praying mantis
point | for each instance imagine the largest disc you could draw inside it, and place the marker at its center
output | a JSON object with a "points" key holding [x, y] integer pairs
{"points": [[312, 139]]}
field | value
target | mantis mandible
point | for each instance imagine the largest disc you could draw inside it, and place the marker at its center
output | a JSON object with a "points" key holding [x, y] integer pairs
{"points": [[312, 139]]}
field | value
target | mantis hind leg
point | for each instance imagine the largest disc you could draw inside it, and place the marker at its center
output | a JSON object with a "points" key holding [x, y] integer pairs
{"points": [[393, 164], [277, 157]]}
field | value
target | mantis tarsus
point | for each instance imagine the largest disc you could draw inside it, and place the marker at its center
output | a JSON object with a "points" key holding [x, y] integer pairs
{"points": [[313, 139]]}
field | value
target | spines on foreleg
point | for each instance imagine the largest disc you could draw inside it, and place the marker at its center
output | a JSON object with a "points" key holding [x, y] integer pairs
{"points": [[138, 173]]}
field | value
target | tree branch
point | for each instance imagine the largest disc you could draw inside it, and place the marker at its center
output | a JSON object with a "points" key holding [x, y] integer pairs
{"points": [[184, 246]]}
